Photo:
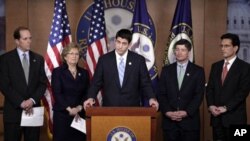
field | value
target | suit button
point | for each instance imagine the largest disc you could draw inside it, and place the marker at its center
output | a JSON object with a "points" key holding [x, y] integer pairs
{"points": [[179, 98]]}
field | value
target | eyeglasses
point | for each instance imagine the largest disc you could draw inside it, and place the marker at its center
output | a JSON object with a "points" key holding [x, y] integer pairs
{"points": [[76, 54], [226, 46]]}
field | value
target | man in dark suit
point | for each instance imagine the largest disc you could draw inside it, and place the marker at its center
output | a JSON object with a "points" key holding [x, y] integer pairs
{"points": [[228, 88], [122, 75], [181, 92], [23, 83]]}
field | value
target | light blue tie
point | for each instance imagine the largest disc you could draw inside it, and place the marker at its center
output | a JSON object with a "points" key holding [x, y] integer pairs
{"points": [[180, 75], [121, 69], [25, 64]]}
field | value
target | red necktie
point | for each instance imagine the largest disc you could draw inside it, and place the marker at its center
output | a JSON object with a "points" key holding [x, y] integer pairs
{"points": [[224, 72]]}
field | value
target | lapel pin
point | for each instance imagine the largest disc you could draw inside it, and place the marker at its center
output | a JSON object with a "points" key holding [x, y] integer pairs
{"points": [[79, 74], [188, 74], [129, 63], [34, 60]]}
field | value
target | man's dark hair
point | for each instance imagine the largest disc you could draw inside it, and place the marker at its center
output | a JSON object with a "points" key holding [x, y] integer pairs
{"points": [[16, 33], [124, 33], [234, 38], [184, 42]]}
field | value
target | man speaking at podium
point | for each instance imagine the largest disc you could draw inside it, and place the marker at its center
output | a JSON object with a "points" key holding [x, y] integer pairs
{"points": [[122, 75]]}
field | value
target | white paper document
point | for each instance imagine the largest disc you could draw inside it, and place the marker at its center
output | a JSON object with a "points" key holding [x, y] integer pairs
{"points": [[36, 119], [79, 125]]}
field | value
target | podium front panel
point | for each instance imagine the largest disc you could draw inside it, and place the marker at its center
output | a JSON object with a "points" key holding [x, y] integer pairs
{"points": [[112, 128]]}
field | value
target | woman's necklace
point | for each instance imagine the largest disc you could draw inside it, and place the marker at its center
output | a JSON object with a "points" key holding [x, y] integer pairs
{"points": [[73, 72]]}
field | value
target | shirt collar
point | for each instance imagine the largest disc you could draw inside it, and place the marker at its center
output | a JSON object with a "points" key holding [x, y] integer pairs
{"points": [[124, 56], [184, 64], [20, 53], [231, 60]]}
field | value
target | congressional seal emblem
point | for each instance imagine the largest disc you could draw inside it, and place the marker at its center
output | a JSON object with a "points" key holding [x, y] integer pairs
{"points": [[121, 134], [118, 15]]}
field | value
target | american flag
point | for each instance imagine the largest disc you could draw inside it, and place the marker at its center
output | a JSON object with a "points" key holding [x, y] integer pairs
{"points": [[97, 41], [60, 36]]}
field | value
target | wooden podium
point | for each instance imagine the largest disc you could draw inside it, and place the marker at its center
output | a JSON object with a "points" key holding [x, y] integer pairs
{"points": [[121, 123]]}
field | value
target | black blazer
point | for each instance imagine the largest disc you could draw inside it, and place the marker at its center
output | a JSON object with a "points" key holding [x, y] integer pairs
{"points": [[136, 81], [232, 93], [67, 90], [13, 84], [188, 98]]}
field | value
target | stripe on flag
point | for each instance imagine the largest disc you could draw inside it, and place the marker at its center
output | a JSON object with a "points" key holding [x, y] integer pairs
{"points": [[59, 37], [97, 43]]}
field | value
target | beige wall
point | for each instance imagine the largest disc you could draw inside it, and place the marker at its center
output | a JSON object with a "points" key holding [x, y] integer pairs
{"points": [[209, 22]]}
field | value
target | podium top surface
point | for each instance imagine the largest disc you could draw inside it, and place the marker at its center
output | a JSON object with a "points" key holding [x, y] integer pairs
{"points": [[121, 111]]}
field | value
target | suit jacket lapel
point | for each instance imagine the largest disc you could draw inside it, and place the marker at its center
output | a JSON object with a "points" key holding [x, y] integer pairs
{"points": [[19, 65], [129, 66], [33, 62], [114, 63], [232, 70], [175, 77], [218, 74], [187, 75]]}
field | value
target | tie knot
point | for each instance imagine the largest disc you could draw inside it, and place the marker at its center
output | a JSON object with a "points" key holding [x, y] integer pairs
{"points": [[121, 59], [181, 66], [24, 54], [226, 63]]}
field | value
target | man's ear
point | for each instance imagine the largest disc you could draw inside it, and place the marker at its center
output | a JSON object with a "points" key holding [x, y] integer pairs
{"points": [[17, 41], [236, 48]]}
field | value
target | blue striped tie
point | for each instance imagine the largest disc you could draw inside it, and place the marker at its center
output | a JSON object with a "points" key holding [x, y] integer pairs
{"points": [[121, 69]]}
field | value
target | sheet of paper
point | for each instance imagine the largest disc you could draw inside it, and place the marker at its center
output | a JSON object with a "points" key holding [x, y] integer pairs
{"points": [[79, 125], [36, 119]]}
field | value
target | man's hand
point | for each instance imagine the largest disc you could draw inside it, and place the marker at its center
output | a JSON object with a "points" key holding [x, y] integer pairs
{"points": [[215, 111], [173, 115], [29, 111], [88, 103], [176, 115], [27, 104], [154, 103], [222, 109], [182, 114]]}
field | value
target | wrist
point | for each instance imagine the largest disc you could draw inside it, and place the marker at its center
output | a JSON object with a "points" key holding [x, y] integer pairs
{"points": [[68, 109], [225, 107], [79, 107]]}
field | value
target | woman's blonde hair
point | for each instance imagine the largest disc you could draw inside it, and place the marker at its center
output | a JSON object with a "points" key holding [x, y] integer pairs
{"points": [[68, 48]]}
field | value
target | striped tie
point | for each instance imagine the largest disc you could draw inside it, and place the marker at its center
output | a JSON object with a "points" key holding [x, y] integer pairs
{"points": [[224, 72], [180, 75], [25, 64], [121, 69]]}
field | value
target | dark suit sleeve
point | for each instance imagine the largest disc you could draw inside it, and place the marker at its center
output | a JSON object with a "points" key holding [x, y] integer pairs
{"points": [[162, 92], [57, 85], [243, 88], [5, 85], [210, 88], [97, 81], [41, 87], [145, 81], [196, 101]]}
